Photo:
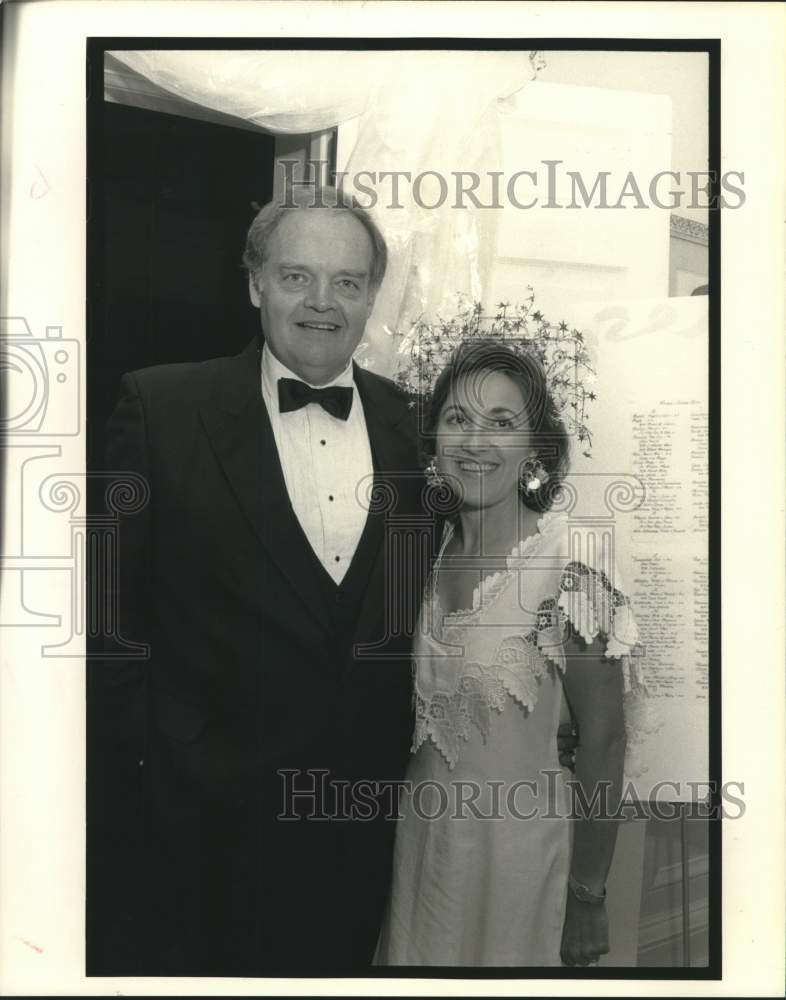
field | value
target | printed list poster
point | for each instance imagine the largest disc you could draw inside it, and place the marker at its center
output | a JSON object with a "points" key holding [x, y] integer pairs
{"points": [[648, 476]]}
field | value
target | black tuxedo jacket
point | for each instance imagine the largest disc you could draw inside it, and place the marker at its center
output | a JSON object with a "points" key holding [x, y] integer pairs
{"points": [[263, 676]]}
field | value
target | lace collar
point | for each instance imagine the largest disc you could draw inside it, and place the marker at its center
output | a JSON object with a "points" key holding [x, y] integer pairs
{"points": [[494, 583]]}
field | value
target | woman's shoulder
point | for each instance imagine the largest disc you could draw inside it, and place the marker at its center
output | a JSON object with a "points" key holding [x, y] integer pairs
{"points": [[575, 542], [568, 553], [548, 544], [535, 566]]}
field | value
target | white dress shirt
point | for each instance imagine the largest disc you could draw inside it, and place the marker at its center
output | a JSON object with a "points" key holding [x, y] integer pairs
{"points": [[324, 460]]}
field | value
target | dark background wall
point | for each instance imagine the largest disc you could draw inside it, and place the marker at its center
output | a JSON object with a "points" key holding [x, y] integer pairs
{"points": [[170, 208], [170, 201]]}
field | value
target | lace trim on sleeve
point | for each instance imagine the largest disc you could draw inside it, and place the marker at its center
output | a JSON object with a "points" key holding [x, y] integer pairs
{"points": [[593, 606]]}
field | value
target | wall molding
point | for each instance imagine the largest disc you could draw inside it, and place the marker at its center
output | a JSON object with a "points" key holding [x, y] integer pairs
{"points": [[690, 230]]}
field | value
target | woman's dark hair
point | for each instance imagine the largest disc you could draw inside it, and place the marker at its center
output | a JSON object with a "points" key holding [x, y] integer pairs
{"points": [[552, 441]]}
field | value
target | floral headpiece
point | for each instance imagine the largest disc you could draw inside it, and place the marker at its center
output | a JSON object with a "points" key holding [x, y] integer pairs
{"points": [[426, 350]]}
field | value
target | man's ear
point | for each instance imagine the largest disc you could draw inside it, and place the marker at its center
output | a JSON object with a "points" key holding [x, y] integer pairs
{"points": [[253, 291]]}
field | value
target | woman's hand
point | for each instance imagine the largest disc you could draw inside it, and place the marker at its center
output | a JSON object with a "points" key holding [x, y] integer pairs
{"points": [[585, 934]]}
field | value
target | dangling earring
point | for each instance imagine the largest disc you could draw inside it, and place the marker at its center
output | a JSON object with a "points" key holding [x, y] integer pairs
{"points": [[532, 477], [432, 473]]}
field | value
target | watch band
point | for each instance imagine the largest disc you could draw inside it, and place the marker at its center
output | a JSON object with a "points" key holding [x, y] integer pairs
{"points": [[585, 895]]}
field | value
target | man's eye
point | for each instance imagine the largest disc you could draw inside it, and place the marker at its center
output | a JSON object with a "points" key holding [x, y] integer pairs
{"points": [[294, 278], [348, 283]]}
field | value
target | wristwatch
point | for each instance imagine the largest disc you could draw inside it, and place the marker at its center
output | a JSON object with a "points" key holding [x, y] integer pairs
{"points": [[585, 895]]}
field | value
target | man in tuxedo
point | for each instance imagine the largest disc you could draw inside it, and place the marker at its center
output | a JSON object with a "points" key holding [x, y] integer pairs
{"points": [[259, 576]]}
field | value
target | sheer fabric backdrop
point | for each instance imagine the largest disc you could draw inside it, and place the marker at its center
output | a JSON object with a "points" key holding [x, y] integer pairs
{"points": [[431, 114]]}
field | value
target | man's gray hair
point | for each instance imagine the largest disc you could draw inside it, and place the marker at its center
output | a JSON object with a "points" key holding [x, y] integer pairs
{"points": [[298, 197]]}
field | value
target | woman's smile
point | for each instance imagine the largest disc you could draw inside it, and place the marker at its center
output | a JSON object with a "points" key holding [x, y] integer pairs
{"points": [[476, 467]]}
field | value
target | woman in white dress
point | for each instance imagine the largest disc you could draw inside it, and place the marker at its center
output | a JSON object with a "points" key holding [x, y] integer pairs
{"points": [[523, 617]]}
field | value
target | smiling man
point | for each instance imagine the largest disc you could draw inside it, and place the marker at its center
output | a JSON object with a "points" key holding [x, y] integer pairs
{"points": [[313, 277], [256, 574]]}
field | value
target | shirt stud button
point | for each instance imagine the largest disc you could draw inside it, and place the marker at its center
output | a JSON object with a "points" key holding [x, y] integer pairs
{"points": [[323, 441]]}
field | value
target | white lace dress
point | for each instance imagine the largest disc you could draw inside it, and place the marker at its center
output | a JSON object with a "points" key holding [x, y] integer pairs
{"points": [[483, 846]]}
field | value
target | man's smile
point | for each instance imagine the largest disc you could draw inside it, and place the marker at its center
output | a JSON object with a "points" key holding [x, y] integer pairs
{"points": [[318, 325]]}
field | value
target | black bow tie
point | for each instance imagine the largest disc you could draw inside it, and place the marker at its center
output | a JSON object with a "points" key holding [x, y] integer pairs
{"points": [[293, 394]]}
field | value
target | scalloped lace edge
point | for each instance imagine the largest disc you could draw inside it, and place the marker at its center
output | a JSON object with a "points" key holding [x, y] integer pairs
{"points": [[446, 717]]}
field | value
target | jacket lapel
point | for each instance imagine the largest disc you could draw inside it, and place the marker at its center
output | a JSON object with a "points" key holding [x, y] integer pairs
{"points": [[397, 487], [238, 426]]}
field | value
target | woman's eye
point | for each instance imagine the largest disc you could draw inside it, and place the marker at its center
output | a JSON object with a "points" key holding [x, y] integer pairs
{"points": [[503, 423], [457, 418]]}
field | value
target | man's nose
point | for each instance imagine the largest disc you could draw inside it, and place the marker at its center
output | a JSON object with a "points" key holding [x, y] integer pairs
{"points": [[320, 295]]}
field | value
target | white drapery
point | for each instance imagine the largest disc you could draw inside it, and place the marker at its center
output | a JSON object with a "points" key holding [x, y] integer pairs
{"points": [[423, 112]]}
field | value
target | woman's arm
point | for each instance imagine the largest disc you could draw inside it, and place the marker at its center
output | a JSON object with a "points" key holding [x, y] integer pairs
{"points": [[594, 689]]}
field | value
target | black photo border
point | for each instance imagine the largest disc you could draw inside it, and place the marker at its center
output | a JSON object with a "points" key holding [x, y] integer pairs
{"points": [[95, 49]]}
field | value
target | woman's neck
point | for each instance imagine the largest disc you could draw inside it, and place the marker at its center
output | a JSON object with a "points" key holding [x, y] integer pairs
{"points": [[495, 531]]}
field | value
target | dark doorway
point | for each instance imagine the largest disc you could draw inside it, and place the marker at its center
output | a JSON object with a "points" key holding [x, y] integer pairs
{"points": [[171, 199], [173, 202]]}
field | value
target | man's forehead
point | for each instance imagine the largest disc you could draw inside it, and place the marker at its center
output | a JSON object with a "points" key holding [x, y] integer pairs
{"points": [[303, 225]]}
